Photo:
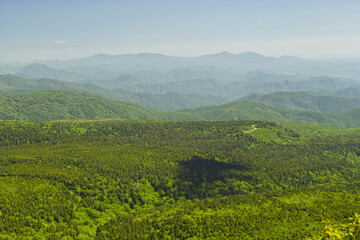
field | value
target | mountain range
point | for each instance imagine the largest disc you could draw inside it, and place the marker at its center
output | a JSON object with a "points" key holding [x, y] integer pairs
{"points": [[235, 63], [169, 101], [191, 81], [219, 86], [49, 105]]}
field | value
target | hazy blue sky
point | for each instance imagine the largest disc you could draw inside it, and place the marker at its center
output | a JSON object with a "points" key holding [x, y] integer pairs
{"points": [[50, 29]]}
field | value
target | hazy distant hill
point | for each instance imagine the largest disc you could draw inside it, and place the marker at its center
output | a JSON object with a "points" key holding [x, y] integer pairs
{"points": [[306, 101], [349, 92], [120, 82], [196, 86], [138, 79], [159, 62], [38, 70], [312, 84], [234, 63], [246, 84], [191, 80], [170, 101]]}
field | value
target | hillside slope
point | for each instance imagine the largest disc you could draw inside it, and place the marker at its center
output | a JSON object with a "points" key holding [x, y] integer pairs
{"points": [[242, 110], [65, 105], [351, 92], [306, 101], [10, 84], [58, 105], [37, 70]]}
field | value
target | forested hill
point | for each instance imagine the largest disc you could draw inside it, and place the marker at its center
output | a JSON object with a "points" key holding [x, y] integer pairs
{"points": [[60, 105], [49, 105], [306, 101], [10, 84], [243, 110]]}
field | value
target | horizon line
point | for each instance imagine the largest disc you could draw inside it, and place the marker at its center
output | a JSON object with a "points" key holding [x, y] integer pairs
{"points": [[165, 55]]}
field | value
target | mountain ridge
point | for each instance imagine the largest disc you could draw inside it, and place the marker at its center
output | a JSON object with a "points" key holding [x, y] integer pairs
{"points": [[10, 84], [306, 101], [235, 63], [49, 105]]}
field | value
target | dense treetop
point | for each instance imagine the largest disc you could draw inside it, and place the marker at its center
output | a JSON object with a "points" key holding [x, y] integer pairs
{"points": [[174, 180]]}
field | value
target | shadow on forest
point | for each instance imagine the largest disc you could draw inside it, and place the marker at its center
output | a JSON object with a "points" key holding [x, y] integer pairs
{"points": [[200, 177], [199, 169]]}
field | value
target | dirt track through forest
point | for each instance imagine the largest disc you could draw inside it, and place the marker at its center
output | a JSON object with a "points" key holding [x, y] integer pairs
{"points": [[250, 131]]}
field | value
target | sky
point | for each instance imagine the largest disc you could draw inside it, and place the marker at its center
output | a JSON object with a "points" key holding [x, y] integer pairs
{"points": [[64, 29]]}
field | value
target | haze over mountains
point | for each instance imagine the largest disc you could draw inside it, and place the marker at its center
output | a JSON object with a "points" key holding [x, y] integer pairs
{"points": [[236, 63], [228, 62], [287, 86], [169, 101]]}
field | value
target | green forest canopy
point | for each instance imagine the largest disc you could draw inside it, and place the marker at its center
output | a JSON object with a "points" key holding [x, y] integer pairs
{"points": [[176, 180]]}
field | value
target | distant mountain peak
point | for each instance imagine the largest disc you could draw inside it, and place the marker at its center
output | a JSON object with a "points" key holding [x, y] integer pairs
{"points": [[102, 55], [144, 54], [39, 70], [149, 54], [251, 54], [224, 53], [37, 65]]}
